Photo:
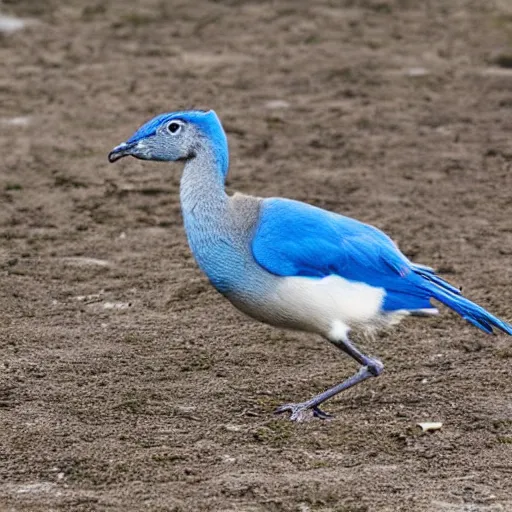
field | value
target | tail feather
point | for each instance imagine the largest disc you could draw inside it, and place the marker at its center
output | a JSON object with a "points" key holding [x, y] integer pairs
{"points": [[430, 274], [470, 311], [452, 297]]}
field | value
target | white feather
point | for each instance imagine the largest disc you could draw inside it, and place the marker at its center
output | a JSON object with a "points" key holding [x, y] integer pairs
{"points": [[328, 306]]}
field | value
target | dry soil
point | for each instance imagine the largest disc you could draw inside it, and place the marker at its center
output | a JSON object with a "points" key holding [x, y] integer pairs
{"points": [[126, 382]]}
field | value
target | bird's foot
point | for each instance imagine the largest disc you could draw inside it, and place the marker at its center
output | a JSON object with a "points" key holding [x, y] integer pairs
{"points": [[303, 412]]}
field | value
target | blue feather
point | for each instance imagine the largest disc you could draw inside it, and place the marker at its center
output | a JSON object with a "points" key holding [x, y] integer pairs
{"points": [[297, 239], [470, 311], [150, 128], [430, 275], [206, 121]]}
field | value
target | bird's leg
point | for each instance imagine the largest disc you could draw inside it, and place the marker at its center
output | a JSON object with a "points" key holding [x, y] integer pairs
{"points": [[370, 368]]}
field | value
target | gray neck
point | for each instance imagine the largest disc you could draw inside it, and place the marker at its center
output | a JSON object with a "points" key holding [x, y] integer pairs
{"points": [[204, 202], [202, 186]]}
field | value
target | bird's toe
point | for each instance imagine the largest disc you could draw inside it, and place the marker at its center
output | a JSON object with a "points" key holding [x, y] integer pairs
{"points": [[318, 413], [302, 412]]}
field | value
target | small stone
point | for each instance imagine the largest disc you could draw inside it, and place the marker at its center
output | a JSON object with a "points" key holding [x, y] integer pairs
{"points": [[16, 121], [416, 72], [79, 260], [232, 428], [430, 425], [116, 305], [11, 24], [276, 104]]}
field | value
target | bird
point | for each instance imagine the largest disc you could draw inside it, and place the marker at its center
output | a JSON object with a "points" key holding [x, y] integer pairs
{"points": [[288, 263]]}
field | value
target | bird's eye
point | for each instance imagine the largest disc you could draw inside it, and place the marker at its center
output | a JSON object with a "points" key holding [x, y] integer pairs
{"points": [[174, 127]]}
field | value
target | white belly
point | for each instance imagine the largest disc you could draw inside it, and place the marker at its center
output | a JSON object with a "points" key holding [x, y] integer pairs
{"points": [[330, 306], [325, 306], [323, 303]]}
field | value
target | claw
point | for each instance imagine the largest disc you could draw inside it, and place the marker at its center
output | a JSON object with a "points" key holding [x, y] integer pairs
{"points": [[303, 412], [318, 413]]}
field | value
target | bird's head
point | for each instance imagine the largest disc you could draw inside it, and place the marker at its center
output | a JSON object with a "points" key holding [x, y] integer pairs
{"points": [[177, 136]]}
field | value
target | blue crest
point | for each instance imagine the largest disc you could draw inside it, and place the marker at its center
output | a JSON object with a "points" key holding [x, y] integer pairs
{"points": [[206, 121]]}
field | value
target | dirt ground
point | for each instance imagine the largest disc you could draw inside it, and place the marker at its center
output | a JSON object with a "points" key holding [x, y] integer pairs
{"points": [[126, 382]]}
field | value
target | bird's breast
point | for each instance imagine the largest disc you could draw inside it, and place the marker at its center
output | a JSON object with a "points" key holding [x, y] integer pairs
{"points": [[225, 261], [219, 236]]}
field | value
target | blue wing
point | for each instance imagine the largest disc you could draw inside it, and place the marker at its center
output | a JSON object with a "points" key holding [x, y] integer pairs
{"points": [[297, 239]]}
